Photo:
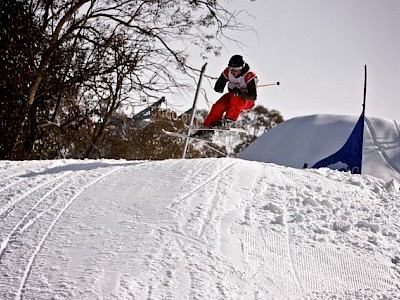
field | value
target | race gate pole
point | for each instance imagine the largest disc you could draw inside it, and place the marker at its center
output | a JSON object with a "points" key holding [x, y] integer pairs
{"points": [[203, 69]]}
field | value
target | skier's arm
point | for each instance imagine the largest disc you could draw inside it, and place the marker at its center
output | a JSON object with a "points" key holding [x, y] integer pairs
{"points": [[251, 92], [220, 84]]}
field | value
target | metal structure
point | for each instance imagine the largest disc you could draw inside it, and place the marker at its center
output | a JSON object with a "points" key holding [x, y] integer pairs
{"points": [[146, 113], [203, 69]]}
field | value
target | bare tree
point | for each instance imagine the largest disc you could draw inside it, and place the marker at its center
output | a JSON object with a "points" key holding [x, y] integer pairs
{"points": [[100, 54]]}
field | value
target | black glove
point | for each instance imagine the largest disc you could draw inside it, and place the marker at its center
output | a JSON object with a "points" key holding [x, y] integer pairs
{"points": [[218, 89], [236, 91]]}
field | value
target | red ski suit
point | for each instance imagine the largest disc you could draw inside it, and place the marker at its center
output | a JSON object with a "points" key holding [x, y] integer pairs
{"points": [[229, 103]]}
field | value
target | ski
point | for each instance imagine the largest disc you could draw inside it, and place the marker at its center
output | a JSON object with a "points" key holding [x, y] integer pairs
{"points": [[196, 128], [185, 136]]}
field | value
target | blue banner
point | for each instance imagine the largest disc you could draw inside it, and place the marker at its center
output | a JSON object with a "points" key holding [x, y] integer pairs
{"points": [[349, 157]]}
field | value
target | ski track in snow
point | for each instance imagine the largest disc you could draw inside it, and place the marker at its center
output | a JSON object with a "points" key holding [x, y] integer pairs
{"points": [[38, 206], [350, 270], [194, 229], [381, 146]]}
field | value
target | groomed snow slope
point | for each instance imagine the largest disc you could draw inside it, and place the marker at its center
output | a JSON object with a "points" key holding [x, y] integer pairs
{"points": [[309, 139], [195, 229]]}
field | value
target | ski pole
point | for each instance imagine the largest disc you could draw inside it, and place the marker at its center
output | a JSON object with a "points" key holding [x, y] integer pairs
{"points": [[268, 84]]}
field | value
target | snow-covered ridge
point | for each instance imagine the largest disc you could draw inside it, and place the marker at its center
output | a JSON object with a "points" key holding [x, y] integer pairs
{"points": [[195, 229], [308, 139]]}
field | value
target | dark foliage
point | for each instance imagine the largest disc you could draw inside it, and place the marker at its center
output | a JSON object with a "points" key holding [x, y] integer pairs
{"points": [[20, 43], [69, 66]]}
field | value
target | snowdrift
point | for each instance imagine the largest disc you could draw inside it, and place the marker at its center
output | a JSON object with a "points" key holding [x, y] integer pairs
{"points": [[309, 139], [195, 229]]}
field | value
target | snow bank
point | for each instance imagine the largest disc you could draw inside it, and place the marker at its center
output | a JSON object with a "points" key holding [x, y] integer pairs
{"points": [[195, 229], [309, 139]]}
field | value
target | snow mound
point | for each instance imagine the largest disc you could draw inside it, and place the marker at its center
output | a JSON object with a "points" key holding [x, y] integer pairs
{"points": [[195, 229], [309, 139]]}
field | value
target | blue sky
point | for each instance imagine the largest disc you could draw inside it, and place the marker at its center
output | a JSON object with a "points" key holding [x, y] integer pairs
{"points": [[317, 50]]}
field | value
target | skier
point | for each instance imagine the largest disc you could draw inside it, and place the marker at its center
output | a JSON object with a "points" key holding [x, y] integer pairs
{"points": [[242, 93]]}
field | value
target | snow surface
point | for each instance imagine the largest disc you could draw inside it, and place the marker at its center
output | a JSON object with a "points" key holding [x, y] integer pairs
{"points": [[195, 229], [309, 139]]}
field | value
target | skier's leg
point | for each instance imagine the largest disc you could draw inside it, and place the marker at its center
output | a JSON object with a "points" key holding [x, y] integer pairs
{"points": [[217, 110], [248, 105], [237, 104]]}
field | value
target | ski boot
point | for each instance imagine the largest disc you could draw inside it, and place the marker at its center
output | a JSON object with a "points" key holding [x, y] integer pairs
{"points": [[203, 134], [225, 123]]}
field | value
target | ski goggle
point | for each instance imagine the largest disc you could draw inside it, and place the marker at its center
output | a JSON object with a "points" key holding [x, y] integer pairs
{"points": [[235, 68]]}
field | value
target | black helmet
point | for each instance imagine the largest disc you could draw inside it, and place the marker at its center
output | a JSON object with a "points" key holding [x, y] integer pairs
{"points": [[236, 62]]}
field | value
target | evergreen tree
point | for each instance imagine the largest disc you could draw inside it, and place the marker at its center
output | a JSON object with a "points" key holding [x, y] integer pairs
{"points": [[20, 43]]}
